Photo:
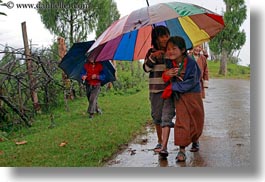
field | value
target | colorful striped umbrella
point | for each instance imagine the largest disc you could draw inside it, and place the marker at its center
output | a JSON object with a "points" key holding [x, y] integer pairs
{"points": [[129, 38]]}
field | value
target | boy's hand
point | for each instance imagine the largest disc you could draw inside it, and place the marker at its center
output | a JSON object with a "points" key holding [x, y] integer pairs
{"points": [[158, 54]]}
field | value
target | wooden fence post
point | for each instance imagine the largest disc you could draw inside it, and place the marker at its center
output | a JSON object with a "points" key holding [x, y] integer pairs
{"points": [[32, 81]]}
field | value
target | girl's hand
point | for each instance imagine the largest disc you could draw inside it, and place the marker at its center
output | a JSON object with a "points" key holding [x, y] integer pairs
{"points": [[84, 77], [179, 78], [94, 76], [171, 72]]}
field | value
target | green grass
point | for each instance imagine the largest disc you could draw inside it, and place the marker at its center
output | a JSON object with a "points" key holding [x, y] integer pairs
{"points": [[233, 71], [89, 142]]}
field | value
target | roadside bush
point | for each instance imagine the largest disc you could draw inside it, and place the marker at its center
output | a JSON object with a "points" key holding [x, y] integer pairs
{"points": [[130, 78]]}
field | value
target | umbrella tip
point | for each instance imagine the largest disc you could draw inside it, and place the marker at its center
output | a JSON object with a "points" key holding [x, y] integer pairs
{"points": [[147, 2]]}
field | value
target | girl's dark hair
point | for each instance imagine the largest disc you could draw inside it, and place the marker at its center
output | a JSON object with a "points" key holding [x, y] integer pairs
{"points": [[179, 42], [158, 31]]}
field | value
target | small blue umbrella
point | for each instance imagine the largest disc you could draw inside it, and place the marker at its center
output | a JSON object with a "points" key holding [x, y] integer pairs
{"points": [[73, 62]]}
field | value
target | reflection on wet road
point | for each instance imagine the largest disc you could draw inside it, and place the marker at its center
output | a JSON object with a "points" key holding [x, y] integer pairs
{"points": [[226, 137]]}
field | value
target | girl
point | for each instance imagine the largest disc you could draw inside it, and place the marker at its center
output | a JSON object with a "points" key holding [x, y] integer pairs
{"points": [[183, 77]]}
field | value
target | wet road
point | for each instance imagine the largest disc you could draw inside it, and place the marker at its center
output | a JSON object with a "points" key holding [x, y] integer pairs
{"points": [[226, 137]]}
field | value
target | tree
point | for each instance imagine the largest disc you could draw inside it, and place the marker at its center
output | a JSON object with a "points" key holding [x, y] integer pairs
{"points": [[8, 55], [231, 38], [106, 19], [74, 20]]}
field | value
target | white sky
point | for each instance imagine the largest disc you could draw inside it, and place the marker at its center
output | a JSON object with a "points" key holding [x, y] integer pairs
{"points": [[10, 30]]}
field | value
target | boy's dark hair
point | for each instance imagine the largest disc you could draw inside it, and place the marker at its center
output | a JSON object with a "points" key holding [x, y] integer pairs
{"points": [[158, 31], [179, 42]]}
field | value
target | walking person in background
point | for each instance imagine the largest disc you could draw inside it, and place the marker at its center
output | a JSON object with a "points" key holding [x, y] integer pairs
{"points": [[92, 75], [162, 110], [183, 73], [200, 56]]}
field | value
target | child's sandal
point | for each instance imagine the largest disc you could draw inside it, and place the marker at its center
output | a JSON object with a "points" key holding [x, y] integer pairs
{"points": [[195, 147], [181, 157], [163, 153], [158, 147]]}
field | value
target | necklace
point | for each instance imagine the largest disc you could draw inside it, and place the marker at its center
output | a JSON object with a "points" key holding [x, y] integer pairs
{"points": [[181, 66]]}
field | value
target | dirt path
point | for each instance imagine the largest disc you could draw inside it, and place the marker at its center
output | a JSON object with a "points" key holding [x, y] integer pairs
{"points": [[226, 137]]}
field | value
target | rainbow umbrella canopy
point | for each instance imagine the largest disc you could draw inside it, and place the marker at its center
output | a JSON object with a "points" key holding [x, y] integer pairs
{"points": [[129, 38]]}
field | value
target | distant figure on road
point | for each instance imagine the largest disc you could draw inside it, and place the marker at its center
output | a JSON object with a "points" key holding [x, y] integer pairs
{"points": [[183, 75], [200, 56]]}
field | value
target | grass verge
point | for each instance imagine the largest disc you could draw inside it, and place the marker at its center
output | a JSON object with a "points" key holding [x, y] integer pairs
{"points": [[234, 71], [86, 142]]}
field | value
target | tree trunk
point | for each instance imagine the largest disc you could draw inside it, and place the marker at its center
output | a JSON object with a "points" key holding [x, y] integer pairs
{"points": [[71, 29], [223, 63], [67, 82], [32, 81]]}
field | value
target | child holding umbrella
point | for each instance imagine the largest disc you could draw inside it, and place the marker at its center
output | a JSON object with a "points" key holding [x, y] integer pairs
{"points": [[162, 110], [92, 75]]}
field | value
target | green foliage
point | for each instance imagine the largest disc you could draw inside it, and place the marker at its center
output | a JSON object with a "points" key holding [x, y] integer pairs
{"points": [[16, 107], [7, 56], [130, 78], [231, 38], [106, 18], [234, 60], [78, 18]]}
